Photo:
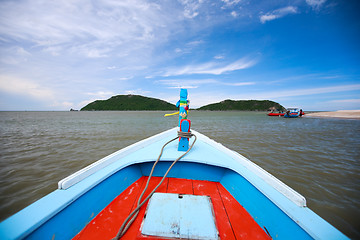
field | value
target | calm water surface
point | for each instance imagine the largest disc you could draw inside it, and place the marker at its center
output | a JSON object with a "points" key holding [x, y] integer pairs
{"points": [[319, 158]]}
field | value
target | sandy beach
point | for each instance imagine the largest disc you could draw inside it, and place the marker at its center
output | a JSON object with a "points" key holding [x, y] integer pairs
{"points": [[351, 114]]}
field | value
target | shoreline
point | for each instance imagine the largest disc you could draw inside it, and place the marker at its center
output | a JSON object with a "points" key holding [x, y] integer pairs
{"points": [[346, 114]]}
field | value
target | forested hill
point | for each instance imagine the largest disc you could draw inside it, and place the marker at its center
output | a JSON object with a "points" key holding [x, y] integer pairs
{"points": [[129, 103], [141, 103], [243, 105]]}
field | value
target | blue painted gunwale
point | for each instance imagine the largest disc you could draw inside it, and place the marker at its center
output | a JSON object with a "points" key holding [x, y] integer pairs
{"points": [[63, 213]]}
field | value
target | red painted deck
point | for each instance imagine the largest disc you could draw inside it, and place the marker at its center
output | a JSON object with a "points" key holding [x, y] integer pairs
{"points": [[233, 221]]}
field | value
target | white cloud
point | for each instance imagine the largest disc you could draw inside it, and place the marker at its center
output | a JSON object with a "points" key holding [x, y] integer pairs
{"points": [[315, 3], [138, 91], [125, 78], [346, 101], [238, 84], [62, 105], [54, 50], [211, 68], [278, 13], [185, 83], [321, 90], [234, 14], [181, 85], [22, 52], [344, 104], [195, 83], [101, 94], [279, 94], [191, 8], [231, 2], [25, 87], [189, 47], [84, 27], [195, 43], [268, 17], [95, 53], [14, 55], [219, 57]]}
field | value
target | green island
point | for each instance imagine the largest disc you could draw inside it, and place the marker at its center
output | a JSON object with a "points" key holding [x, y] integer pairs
{"points": [[141, 103], [129, 103], [243, 105]]}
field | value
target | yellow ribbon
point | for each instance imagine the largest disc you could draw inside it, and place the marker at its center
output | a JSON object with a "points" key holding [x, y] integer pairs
{"points": [[170, 114]]}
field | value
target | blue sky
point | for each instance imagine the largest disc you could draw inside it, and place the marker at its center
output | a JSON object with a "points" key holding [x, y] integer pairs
{"points": [[57, 55]]}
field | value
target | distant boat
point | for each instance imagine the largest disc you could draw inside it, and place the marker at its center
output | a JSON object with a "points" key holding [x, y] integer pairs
{"points": [[293, 113], [274, 114]]}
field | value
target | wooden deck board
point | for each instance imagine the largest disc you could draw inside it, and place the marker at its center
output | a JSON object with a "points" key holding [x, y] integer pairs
{"points": [[181, 186], [222, 221], [244, 226], [232, 220], [106, 224], [134, 231]]}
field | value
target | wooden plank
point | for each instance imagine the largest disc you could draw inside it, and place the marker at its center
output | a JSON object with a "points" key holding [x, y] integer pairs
{"points": [[244, 226], [134, 231], [107, 223], [178, 185], [222, 221]]}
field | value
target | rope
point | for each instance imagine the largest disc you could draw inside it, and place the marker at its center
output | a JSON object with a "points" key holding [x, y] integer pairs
{"points": [[132, 216], [185, 134]]}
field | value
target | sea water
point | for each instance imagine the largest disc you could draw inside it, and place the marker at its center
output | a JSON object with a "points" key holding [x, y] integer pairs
{"points": [[317, 157]]}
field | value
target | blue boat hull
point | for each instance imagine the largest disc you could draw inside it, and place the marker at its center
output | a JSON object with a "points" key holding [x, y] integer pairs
{"points": [[291, 116]]}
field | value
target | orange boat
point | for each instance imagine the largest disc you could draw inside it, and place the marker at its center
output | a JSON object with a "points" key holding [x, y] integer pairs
{"points": [[276, 114]]}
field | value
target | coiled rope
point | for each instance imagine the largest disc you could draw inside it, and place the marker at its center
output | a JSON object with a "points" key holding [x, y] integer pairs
{"points": [[132, 216]]}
